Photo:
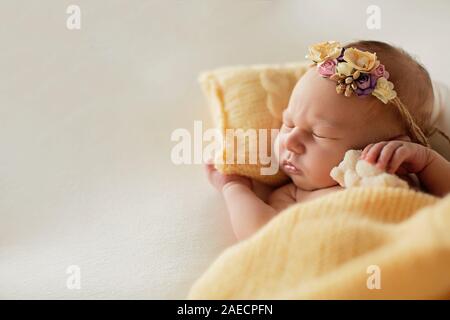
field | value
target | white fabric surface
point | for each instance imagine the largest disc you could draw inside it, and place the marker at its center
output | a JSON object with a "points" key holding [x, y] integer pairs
{"points": [[85, 121], [440, 117]]}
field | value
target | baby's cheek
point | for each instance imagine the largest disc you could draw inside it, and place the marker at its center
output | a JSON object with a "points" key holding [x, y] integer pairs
{"points": [[320, 168]]}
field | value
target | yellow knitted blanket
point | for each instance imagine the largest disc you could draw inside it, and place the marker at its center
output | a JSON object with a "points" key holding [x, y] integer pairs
{"points": [[360, 243]]}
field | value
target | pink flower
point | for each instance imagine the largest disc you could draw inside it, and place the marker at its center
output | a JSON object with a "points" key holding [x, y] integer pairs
{"points": [[327, 68], [380, 71]]}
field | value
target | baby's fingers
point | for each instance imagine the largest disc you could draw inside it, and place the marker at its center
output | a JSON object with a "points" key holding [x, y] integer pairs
{"points": [[366, 149], [386, 154], [399, 156], [374, 152], [209, 169]]}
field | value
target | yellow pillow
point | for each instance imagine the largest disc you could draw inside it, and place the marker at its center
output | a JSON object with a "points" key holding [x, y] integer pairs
{"points": [[250, 97]]}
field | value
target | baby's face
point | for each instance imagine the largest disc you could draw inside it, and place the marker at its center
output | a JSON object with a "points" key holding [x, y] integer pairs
{"points": [[319, 126]]}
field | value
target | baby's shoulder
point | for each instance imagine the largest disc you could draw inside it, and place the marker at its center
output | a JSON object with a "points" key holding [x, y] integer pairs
{"points": [[285, 191], [289, 194], [305, 195], [282, 197]]}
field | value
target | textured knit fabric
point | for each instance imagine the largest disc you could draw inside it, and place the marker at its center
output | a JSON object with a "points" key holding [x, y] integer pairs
{"points": [[328, 248], [250, 97]]}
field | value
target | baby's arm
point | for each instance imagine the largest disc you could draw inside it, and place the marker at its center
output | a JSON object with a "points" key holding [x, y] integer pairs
{"points": [[436, 175], [248, 213]]}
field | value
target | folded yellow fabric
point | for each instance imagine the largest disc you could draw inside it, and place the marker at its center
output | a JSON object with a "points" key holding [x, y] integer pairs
{"points": [[324, 249], [250, 97]]}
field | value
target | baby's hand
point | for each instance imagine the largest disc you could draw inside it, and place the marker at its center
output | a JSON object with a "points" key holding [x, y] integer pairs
{"points": [[219, 180], [397, 156]]}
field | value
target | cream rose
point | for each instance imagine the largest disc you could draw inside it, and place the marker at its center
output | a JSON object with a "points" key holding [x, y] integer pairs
{"points": [[344, 69], [360, 60], [384, 90], [324, 51]]}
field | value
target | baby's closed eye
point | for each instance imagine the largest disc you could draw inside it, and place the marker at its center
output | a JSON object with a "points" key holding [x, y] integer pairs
{"points": [[319, 135]]}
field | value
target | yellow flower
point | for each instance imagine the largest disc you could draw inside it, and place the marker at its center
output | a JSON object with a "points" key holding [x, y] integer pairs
{"points": [[360, 60], [384, 90], [322, 51], [344, 69]]}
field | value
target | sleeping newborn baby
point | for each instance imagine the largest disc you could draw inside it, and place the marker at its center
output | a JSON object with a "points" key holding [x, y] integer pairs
{"points": [[346, 100]]}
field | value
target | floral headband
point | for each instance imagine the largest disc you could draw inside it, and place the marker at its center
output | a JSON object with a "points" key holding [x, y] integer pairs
{"points": [[355, 71], [361, 73]]}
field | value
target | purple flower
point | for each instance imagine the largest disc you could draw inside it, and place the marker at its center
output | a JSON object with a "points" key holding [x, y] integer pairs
{"points": [[380, 71], [327, 68], [365, 84]]}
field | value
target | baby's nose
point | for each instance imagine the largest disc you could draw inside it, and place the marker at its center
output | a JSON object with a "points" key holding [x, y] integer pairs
{"points": [[295, 148], [293, 143]]}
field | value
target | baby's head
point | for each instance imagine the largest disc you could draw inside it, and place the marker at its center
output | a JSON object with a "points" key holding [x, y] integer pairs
{"points": [[320, 125]]}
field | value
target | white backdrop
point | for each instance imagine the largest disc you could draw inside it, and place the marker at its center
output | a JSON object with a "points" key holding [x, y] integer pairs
{"points": [[86, 117]]}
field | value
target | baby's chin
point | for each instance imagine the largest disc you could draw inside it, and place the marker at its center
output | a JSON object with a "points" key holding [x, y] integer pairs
{"points": [[299, 181]]}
